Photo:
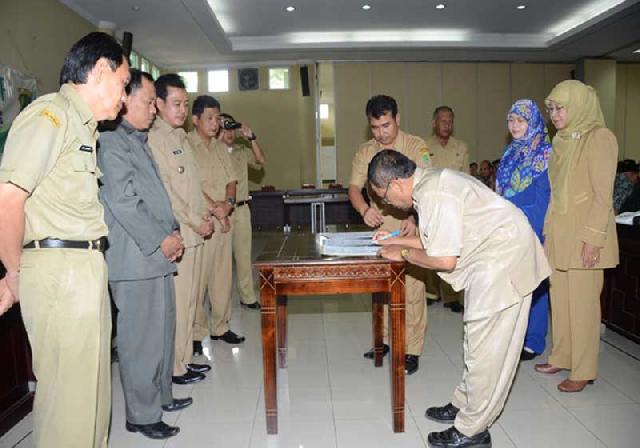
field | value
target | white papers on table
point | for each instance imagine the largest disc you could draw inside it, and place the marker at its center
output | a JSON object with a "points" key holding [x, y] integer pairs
{"points": [[347, 244]]}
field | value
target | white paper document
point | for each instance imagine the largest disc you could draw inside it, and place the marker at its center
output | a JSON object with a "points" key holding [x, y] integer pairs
{"points": [[347, 244]]}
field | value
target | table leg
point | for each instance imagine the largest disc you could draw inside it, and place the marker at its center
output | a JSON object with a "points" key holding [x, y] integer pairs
{"points": [[397, 332], [268, 317], [377, 309], [281, 316]]}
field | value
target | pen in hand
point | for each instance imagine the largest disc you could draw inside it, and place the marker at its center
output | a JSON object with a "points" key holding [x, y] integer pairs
{"points": [[390, 235]]}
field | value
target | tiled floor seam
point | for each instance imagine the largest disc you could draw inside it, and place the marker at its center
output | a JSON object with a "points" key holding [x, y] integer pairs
{"points": [[326, 355]]}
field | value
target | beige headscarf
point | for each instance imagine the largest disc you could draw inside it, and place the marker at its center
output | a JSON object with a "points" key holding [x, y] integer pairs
{"points": [[583, 114]]}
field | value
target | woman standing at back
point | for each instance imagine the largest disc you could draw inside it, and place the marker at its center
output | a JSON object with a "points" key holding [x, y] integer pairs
{"points": [[580, 230], [522, 179]]}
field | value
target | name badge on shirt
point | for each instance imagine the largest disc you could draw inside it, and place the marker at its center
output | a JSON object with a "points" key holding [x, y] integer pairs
{"points": [[86, 148], [177, 152]]}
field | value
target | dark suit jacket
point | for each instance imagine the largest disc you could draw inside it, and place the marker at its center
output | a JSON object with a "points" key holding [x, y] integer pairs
{"points": [[137, 208]]}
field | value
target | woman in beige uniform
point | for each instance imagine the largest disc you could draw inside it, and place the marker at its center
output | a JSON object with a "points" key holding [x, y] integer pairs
{"points": [[580, 230]]}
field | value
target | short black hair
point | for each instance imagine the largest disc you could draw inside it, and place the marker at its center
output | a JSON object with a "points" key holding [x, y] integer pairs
{"points": [[135, 80], [168, 80], [627, 166], [443, 108], [86, 52], [388, 165], [203, 102], [380, 105], [472, 164]]}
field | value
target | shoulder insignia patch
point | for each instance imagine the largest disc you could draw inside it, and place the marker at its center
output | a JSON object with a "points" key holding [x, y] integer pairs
{"points": [[51, 117], [425, 155]]}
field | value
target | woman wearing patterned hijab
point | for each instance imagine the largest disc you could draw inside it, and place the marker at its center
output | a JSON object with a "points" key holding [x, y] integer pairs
{"points": [[580, 230], [522, 179]]}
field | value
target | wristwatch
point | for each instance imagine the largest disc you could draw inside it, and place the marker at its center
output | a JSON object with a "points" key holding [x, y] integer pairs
{"points": [[231, 201], [404, 253], [252, 137]]}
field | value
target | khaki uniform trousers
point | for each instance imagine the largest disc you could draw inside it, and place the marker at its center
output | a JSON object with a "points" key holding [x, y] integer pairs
{"points": [[241, 228], [187, 283], [438, 288], [575, 321], [216, 282], [492, 348], [65, 307], [416, 311]]}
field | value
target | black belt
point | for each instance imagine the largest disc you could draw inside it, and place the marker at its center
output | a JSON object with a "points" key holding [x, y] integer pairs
{"points": [[50, 243], [241, 203]]}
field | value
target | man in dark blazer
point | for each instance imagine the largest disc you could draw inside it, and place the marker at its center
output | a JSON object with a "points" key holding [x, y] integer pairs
{"points": [[144, 242]]}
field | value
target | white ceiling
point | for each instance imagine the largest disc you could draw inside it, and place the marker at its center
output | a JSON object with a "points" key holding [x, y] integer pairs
{"points": [[205, 33]]}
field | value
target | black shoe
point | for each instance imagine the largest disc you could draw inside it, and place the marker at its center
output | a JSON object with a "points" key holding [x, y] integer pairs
{"points": [[253, 306], [198, 368], [526, 355], [197, 348], [159, 430], [442, 414], [456, 307], [188, 378], [369, 354], [229, 337], [432, 301], [452, 438], [411, 364], [177, 404]]}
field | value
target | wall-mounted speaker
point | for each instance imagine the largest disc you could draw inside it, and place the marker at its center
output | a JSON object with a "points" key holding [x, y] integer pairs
{"points": [[304, 80], [127, 42]]}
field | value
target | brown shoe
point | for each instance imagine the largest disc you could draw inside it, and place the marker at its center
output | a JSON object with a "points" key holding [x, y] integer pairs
{"points": [[573, 386], [547, 368]]}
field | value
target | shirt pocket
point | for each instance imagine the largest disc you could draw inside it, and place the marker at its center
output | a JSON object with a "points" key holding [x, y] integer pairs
{"points": [[580, 198], [85, 172]]}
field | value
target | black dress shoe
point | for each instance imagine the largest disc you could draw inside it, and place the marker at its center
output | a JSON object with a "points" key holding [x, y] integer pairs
{"points": [[369, 354], [410, 364], [188, 378], [442, 414], [253, 306], [456, 307], [526, 355], [432, 301], [198, 368], [197, 348], [159, 430], [177, 404], [229, 337], [452, 438]]}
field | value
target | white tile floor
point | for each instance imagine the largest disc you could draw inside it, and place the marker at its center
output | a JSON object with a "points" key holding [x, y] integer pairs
{"points": [[331, 397]]}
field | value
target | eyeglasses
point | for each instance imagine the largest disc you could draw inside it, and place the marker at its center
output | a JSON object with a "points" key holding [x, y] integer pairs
{"points": [[385, 199], [554, 109]]}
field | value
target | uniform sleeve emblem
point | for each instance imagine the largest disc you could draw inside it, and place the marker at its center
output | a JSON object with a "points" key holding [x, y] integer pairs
{"points": [[51, 117], [426, 157]]}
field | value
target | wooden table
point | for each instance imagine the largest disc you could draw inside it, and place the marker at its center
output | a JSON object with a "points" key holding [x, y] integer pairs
{"points": [[292, 266]]}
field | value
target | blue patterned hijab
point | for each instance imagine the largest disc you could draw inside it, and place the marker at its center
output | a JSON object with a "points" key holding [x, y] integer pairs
{"points": [[525, 158]]}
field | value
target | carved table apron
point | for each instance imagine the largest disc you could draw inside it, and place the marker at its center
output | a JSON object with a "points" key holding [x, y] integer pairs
{"points": [[293, 266]]}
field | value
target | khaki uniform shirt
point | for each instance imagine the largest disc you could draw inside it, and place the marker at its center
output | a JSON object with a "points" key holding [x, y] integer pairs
{"points": [[492, 238], [411, 146], [589, 216], [174, 157], [241, 158], [214, 166], [454, 156], [51, 153]]}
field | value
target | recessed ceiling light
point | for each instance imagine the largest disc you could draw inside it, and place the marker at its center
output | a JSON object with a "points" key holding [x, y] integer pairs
{"points": [[441, 6], [290, 8], [521, 7], [366, 7], [637, 51]]}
